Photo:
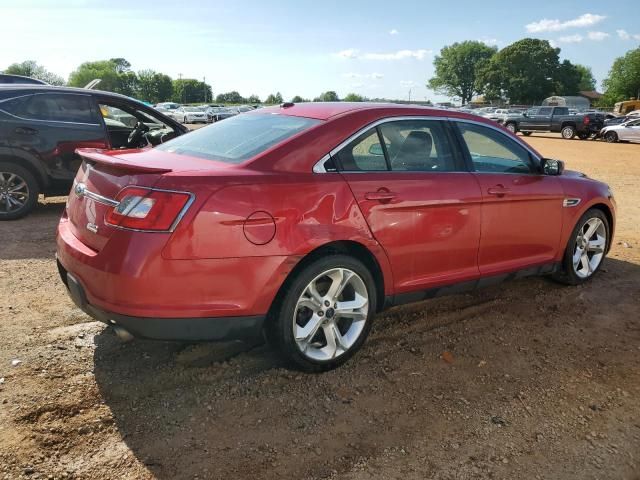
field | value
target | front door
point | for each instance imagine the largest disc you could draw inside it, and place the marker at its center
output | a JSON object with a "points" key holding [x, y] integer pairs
{"points": [[521, 209], [420, 204]]}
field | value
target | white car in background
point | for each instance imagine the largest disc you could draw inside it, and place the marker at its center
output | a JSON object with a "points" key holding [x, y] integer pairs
{"points": [[169, 113], [191, 115], [628, 131]]}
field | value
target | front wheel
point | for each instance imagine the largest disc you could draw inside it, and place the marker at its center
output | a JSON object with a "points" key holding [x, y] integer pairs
{"points": [[526, 134], [511, 127], [325, 314], [586, 248], [611, 137], [18, 191], [568, 132]]}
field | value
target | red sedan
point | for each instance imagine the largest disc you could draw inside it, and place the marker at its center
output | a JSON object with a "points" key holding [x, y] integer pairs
{"points": [[305, 220]]}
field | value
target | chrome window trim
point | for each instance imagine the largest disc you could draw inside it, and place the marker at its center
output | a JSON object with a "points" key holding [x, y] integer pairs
{"points": [[318, 167], [46, 121]]}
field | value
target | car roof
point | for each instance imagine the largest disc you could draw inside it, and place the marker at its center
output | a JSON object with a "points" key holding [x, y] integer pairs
{"points": [[26, 88], [327, 110]]}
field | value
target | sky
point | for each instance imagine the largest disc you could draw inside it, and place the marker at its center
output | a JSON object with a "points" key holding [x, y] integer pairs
{"points": [[379, 49]]}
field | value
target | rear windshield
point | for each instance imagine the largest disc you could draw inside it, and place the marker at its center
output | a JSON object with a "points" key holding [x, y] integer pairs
{"points": [[238, 138]]}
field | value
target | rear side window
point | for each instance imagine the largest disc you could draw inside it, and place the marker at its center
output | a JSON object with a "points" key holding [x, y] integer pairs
{"points": [[238, 138], [561, 111], [545, 111], [52, 107]]}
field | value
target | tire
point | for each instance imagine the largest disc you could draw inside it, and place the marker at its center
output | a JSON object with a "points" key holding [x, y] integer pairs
{"points": [[311, 321], [583, 135], [568, 132], [17, 186], [511, 127], [611, 137], [526, 134], [597, 245]]}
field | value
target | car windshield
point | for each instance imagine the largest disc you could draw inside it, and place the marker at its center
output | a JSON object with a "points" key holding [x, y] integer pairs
{"points": [[238, 138], [191, 109]]}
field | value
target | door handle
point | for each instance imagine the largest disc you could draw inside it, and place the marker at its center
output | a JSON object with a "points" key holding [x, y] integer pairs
{"points": [[498, 190], [382, 196], [25, 131]]}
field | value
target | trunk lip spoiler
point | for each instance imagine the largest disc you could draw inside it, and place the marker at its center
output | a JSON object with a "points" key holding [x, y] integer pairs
{"points": [[98, 156]]}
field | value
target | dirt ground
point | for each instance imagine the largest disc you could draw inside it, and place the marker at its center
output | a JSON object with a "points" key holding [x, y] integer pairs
{"points": [[526, 380]]}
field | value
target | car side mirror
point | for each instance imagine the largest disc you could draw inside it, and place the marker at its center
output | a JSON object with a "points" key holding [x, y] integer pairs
{"points": [[551, 166], [376, 149]]}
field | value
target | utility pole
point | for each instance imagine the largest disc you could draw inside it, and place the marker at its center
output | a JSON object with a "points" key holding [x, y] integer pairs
{"points": [[182, 88], [204, 85], [409, 95]]}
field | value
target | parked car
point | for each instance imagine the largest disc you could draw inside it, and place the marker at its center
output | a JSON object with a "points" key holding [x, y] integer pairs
{"points": [[191, 115], [215, 114], [168, 105], [628, 131], [618, 120], [297, 221], [169, 113], [41, 127], [556, 119]]}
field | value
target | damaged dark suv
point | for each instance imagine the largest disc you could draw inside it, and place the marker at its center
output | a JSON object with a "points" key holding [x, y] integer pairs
{"points": [[41, 126]]}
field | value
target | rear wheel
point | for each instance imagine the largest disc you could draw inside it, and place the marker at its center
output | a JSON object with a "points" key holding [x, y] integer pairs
{"points": [[568, 132], [18, 191], [586, 248], [325, 315], [526, 134], [511, 127], [611, 137]]}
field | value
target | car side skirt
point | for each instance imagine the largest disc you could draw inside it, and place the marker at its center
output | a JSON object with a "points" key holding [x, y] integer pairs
{"points": [[467, 286]]}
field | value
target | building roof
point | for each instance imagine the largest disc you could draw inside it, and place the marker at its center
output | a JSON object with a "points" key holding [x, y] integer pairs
{"points": [[590, 94]]}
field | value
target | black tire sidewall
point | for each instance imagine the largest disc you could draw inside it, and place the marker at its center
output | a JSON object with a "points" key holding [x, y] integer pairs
{"points": [[281, 333], [568, 274], [34, 190], [611, 135]]}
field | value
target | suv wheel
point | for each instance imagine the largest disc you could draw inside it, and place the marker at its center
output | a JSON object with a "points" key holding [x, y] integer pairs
{"points": [[325, 315], [568, 132], [18, 191], [511, 127], [586, 248]]}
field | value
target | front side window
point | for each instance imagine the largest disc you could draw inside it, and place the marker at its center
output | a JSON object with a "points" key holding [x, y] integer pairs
{"points": [[238, 138], [494, 152], [52, 107]]}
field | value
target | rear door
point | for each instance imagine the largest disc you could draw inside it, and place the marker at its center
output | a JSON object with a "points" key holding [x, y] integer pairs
{"points": [[521, 209], [52, 126], [420, 204]]}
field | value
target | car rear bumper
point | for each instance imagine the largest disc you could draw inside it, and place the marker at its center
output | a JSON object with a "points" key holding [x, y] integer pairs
{"points": [[129, 283], [181, 329]]}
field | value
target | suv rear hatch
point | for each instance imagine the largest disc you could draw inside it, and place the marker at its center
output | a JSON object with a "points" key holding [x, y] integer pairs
{"points": [[99, 181]]}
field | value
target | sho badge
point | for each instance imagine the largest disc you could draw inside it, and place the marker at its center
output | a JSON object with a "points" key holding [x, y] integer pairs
{"points": [[92, 227]]}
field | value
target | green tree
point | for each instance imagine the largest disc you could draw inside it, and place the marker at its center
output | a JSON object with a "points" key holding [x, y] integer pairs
{"points": [[623, 81], [154, 87], [230, 97], [328, 96], [113, 75], [299, 99], [567, 79], [353, 97], [456, 69], [587, 80], [190, 90], [274, 99], [31, 69], [253, 99], [524, 72]]}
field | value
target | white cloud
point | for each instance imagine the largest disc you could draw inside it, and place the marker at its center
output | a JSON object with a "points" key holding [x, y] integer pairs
{"points": [[571, 39], [624, 35], [348, 53], [374, 76], [555, 25], [393, 32], [597, 36], [399, 55]]}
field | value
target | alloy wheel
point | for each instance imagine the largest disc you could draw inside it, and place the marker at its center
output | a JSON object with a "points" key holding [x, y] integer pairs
{"points": [[330, 314], [14, 192], [511, 127], [589, 247]]}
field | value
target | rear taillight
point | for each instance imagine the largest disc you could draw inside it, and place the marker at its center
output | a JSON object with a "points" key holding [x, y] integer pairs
{"points": [[586, 120], [145, 209]]}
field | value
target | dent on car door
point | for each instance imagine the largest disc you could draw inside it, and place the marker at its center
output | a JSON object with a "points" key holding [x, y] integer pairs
{"points": [[521, 208], [52, 126], [419, 203]]}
